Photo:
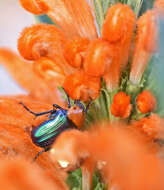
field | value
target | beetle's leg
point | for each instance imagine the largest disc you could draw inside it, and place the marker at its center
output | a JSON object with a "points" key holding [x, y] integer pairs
{"points": [[87, 107], [39, 153], [36, 114], [57, 106]]}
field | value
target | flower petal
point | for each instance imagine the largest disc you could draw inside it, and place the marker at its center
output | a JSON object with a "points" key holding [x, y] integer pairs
{"points": [[28, 79], [73, 17], [20, 174]]}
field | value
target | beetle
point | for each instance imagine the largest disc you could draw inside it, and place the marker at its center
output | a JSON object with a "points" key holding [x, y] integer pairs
{"points": [[59, 120]]}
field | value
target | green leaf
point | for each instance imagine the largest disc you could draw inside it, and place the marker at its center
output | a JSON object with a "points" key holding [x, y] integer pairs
{"points": [[44, 19], [155, 74], [147, 4], [74, 181], [100, 9]]}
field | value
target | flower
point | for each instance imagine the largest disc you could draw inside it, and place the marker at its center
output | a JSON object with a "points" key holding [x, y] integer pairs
{"points": [[121, 106], [146, 102]]}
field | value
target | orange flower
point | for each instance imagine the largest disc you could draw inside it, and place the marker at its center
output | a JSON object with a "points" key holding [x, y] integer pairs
{"points": [[82, 86], [152, 126], [146, 102], [121, 106]]}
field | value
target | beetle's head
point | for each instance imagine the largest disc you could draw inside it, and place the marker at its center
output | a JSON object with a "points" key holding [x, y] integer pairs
{"points": [[76, 115], [69, 149]]}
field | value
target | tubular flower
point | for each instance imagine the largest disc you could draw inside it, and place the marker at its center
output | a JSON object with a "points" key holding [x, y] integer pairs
{"points": [[118, 29], [97, 58], [145, 45], [146, 102], [121, 106]]}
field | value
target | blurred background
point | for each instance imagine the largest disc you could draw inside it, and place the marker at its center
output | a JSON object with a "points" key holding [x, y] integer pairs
{"points": [[13, 18]]}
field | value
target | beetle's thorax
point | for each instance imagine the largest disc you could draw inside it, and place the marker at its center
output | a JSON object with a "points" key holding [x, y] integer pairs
{"points": [[76, 115]]}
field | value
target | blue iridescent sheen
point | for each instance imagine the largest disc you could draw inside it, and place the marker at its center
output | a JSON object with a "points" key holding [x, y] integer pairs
{"points": [[46, 133]]}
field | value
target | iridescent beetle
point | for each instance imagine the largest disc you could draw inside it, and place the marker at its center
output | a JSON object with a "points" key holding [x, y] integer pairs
{"points": [[59, 120]]}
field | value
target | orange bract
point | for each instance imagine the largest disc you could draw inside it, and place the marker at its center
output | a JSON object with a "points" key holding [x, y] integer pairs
{"points": [[121, 106], [97, 58], [74, 51], [146, 102]]}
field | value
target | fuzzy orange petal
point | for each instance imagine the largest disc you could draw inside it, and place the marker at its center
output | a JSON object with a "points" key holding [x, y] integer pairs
{"points": [[23, 73], [20, 174], [68, 14]]}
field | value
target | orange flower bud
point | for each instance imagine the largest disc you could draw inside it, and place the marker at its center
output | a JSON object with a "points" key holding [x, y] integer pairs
{"points": [[81, 86], [74, 51], [40, 40], [97, 58], [118, 29], [146, 102], [49, 70], [152, 126], [121, 106], [34, 6], [145, 44]]}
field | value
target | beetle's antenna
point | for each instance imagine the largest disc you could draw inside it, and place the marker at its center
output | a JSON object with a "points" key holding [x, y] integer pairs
{"points": [[36, 114], [88, 105]]}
